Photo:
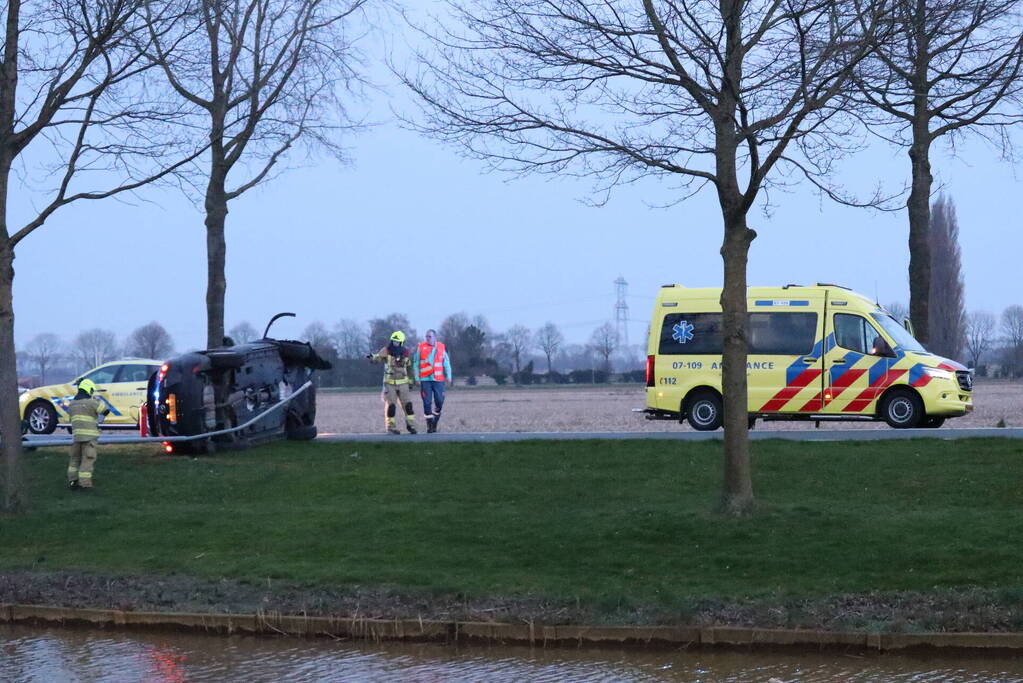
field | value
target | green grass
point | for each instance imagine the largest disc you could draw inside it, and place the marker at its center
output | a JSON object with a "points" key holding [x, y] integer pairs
{"points": [[602, 522]]}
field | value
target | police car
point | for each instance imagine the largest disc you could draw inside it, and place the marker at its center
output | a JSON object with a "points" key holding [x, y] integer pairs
{"points": [[120, 385]]}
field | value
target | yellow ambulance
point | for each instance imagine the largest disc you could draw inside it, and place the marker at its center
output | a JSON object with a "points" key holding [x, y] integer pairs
{"points": [[818, 352]]}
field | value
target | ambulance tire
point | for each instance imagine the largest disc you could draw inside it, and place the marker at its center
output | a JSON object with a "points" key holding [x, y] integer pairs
{"points": [[704, 411], [902, 409], [41, 417], [932, 422]]}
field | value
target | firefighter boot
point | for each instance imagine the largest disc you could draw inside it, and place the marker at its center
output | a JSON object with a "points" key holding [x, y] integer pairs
{"points": [[392, 428], [410, 419]]}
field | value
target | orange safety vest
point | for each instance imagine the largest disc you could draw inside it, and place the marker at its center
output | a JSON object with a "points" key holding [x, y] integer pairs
{"points": [[436, 370]]}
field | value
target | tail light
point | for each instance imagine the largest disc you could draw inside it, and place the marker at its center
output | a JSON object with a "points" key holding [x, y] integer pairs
{"points": [[167, 448], [650, 371]]}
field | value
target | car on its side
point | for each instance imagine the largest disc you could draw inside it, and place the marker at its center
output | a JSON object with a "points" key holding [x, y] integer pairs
{"points": [[222, 389], [120, 384]]}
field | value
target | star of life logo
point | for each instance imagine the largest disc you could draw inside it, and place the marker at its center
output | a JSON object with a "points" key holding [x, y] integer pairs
{"points": [[682, 332]]}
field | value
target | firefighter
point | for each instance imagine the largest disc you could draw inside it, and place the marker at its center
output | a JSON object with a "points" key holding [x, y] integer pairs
{"points": [[85, 412], [433, 368], [398, 380]]}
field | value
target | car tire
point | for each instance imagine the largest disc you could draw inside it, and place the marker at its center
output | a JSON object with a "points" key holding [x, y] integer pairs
{"points": [[932, 422], [303, 433], [704, 411], [41, 417], [902, 409]]}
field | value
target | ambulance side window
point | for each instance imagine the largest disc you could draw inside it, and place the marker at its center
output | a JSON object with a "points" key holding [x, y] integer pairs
{"points": [[782, 334], [854, 333], [691, 333]]}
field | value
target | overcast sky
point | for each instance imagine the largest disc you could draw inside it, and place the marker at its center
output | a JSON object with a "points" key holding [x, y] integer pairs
{"points": [[409, 226]]}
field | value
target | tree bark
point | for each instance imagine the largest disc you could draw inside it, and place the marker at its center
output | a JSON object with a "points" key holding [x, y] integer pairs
{"points": [[216, 257], [15, 494], [737, 496], [919, 243]]}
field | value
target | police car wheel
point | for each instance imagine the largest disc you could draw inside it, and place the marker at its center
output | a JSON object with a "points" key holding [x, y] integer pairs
{"points": [[902, 410], [41, 417], [704, 412]]}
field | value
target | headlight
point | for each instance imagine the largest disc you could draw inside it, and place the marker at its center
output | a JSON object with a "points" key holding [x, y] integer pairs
{"points": [[938, 373]]}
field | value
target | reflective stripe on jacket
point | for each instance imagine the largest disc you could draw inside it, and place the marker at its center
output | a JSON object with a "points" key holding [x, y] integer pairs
{"points": [[83, 412], [432, 362], [396, 370]]}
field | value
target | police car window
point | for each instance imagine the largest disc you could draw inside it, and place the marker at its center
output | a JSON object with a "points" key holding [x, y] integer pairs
{"points": [[854, 333], [691, 333], [782, 333], [103, 375]]}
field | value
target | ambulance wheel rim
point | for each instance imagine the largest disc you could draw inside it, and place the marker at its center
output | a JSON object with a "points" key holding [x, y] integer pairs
{"points": [[901, 409], [39, 418], [704, 412]]}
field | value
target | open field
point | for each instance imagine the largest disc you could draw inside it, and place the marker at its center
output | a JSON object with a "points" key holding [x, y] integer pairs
{"points": [[600, 408], [917, 536]]}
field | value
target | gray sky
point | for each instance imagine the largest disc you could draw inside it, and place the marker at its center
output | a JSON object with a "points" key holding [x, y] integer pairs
{"points": [[411, 227]]}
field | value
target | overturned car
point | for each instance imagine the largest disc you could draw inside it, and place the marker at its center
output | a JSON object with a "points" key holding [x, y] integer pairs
{"points": [[235, 396]]}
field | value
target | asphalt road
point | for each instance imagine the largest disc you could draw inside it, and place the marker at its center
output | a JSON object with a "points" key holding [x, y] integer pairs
{"points": [[675, 435]]}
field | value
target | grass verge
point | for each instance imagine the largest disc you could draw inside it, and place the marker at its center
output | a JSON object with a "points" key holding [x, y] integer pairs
{"points": [[623, 530]]}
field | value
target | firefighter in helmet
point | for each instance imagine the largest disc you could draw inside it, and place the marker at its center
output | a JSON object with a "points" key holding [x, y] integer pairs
{"points": [[398, 382], [85, 412]]}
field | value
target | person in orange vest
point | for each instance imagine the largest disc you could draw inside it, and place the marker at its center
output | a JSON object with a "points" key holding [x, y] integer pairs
{"points": [[433, 368], [399, 377]]}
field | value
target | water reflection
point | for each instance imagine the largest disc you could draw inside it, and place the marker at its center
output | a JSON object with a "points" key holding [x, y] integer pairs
{"points": [[46, 655]]}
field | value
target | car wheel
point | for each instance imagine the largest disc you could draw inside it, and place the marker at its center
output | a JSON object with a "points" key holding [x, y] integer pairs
{"points": [[902, 409], [41, 417], [704, 411], [932, 422], [303, 433]]}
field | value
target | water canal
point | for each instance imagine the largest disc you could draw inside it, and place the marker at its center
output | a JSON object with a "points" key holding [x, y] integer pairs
{"points": [[47, 655]]}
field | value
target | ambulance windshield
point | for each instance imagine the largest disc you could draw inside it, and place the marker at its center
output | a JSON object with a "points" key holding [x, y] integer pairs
{"points": [[903, 339]]}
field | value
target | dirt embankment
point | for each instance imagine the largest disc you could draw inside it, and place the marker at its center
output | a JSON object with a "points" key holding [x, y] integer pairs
{"points": [[603, 408], [960, 610]]}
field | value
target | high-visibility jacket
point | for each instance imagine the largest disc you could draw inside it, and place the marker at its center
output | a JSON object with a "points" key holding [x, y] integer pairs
{"points": [[84, 413], [396, 370], [432, 362]]}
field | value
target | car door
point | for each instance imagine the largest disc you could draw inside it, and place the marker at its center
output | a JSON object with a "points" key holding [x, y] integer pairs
{"points": [[105, 377], [855, 375], [784, 362], [128, 391]]}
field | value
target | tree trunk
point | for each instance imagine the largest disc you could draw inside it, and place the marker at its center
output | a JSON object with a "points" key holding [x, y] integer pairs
{"points": [[737, 497], [919, 243], [216, 252], [15, 495]]}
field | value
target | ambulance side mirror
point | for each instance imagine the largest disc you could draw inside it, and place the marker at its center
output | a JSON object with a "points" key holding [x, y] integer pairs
{"points": [[881, 348], [908, 324]]}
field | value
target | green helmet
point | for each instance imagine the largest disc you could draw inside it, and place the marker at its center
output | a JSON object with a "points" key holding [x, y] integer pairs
{"points": [[87, 386], [398, 336]]}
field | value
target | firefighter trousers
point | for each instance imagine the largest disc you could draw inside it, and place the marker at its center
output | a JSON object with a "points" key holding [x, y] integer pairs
{"points": [[395, 394], [81, 463]]}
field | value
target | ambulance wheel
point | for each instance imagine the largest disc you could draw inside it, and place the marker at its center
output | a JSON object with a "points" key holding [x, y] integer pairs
{"points": [[704, 411], [902, 409], [932, 422], [41, 417]]}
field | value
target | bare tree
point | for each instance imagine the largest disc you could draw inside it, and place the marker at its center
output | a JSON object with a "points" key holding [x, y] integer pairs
{"points": [[77, 122], [259, 76], [520, 341], [604, 341], [94, 347], [947, 297], [734, 95], [949, 67], [381, 329], [1012, 328], [980, 335], [317, 334], [243, 332], [549, 338], [150, 341], [350, 339], [43, 351], [899, 310]]}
